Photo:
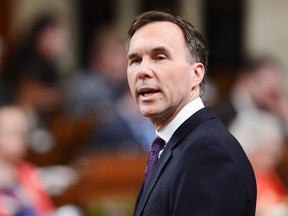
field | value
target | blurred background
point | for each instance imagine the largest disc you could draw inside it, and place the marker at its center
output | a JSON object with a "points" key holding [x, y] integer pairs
{"points": [[64, 64]]}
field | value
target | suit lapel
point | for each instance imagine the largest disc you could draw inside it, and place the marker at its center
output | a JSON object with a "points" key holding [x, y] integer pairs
{"points": [[180, 133]]}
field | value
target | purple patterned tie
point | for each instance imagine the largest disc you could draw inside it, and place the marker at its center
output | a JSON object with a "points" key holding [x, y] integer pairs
{"points": [[155, 148]]}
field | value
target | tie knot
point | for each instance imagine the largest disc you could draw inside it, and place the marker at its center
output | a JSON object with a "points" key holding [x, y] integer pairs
{"points": [[157, 144]]}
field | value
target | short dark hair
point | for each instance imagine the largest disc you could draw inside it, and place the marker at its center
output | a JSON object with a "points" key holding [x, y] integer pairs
{"points": [[251, 64], [195, 42]]}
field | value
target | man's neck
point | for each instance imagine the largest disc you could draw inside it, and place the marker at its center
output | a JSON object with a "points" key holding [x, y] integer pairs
{"points": [[167, 131]]}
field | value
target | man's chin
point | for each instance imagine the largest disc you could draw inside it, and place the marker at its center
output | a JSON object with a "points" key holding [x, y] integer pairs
{"points": [[149, 113]]}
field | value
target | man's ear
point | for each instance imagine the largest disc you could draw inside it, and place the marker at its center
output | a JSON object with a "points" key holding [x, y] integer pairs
{"points": [[198, 71]]}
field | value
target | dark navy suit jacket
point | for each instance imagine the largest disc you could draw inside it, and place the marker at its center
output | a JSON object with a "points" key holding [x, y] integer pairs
{"points": [[203, 171]]}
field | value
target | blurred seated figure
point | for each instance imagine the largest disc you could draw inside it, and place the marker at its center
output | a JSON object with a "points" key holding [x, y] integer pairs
{"points": [[43, 45], [129, 131], [33, 75], [262, 138], [259, 84], [93, 90], [21, 190], [37, 94]]}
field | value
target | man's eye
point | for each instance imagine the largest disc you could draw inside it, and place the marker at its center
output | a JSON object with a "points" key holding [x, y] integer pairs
{"points": [[160, 57], [135, 61]]}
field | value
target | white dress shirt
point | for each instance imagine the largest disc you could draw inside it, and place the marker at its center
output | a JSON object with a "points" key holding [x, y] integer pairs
{"points": [[166, 132]]}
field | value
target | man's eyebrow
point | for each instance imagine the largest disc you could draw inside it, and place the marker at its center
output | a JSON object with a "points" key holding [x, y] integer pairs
{"points": [[159, 49], [132, 55]]}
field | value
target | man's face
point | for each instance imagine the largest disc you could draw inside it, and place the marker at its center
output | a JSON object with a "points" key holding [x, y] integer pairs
{"points": [[160, 76]]}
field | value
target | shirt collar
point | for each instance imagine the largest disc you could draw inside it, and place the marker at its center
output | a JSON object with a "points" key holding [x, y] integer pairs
{"points": [[166, 132]]}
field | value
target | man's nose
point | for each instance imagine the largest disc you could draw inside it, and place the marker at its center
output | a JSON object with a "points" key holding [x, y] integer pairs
{"points": [[145, 70]]}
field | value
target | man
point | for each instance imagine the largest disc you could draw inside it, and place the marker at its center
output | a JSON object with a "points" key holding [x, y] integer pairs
{"points": [[256, 76], [202, 170]]}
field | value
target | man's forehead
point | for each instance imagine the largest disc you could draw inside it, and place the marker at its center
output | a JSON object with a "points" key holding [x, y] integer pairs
{"points": [[157, 32], [159, 25]]}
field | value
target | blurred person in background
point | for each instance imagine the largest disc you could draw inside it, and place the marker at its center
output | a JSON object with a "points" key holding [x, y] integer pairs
{"points": [[21, 190], [33, 76], [259, 84], [261, 135], [43, 44], [94, 89], [36, 92]]}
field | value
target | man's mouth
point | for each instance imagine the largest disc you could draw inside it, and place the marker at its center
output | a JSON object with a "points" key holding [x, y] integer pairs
{"points": [[145, 92]]}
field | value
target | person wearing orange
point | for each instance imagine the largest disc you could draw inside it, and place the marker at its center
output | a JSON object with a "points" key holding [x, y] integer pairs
{"points": [[21, 189]]}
